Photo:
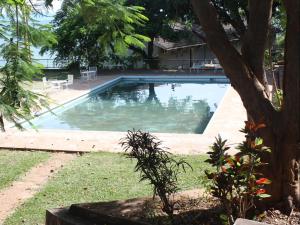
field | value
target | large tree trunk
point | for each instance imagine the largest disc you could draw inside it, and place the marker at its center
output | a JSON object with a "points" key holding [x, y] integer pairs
{"points": [[246, 73], [152, 62], [150, 48], [291, 104]]}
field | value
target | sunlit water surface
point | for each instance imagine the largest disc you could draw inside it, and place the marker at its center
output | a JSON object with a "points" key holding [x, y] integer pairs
{"points": [[153, 107]]}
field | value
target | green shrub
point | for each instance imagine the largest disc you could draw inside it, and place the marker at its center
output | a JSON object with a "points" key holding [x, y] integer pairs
{"points": [[155, 165], [237, 181]]}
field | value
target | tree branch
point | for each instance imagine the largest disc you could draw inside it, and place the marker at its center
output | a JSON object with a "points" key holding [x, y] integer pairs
{"points": [[248, 86], [255, 40], [238, 24], [37, 11]]}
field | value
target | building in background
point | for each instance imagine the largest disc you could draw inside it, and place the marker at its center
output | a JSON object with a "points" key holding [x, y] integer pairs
{"points": [[186, 51]]}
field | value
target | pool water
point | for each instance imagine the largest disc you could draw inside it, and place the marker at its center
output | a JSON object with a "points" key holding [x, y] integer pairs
{"points": [[161, 107]]}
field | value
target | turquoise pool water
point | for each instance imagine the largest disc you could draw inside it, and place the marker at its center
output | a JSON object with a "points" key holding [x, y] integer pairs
{"points": [[162, 107]]}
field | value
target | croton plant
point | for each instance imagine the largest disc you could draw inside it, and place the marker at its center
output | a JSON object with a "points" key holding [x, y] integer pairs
{"points": [[237, 180]]}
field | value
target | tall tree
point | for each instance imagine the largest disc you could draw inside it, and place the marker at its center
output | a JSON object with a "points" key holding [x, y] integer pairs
{"points": [[88, 31], [20, 31], [245, 71]]}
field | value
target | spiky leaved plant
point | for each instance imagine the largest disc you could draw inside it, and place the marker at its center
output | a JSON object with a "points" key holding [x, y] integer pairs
{"points": [[155, 165]]}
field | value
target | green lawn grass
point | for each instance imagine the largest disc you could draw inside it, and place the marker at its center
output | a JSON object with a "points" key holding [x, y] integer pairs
{"points": [[96, 177], [14, 164]]}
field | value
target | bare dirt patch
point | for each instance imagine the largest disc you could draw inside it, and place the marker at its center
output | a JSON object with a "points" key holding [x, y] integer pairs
{"points": [[190, 208], [275, 217]]}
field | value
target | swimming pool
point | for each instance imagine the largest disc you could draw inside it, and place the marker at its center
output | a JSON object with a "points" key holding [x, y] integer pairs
{"points": [[150, 103]]}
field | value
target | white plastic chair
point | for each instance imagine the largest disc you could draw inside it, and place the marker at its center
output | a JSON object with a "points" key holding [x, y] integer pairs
{"points": [[84, 75], [70, 80], [93, 71], [48, 84], [45, 83]]}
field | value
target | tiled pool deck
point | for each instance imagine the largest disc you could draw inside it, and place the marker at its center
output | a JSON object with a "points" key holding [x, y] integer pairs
{"points": [[226, 121]]}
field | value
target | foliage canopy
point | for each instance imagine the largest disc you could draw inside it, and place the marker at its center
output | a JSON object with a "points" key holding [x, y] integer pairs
{"points": [[19, 31], [89, 31]]}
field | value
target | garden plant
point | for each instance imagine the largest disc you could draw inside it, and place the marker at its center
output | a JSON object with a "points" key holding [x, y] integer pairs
{"points": [[236, 181], [155, 165]]}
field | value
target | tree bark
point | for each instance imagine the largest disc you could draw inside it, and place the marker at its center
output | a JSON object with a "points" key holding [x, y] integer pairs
{"points": [[291, 103], [150, 48], [255, 40], [151, 61], [2, 127], [246, 74], [236, 23]]}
